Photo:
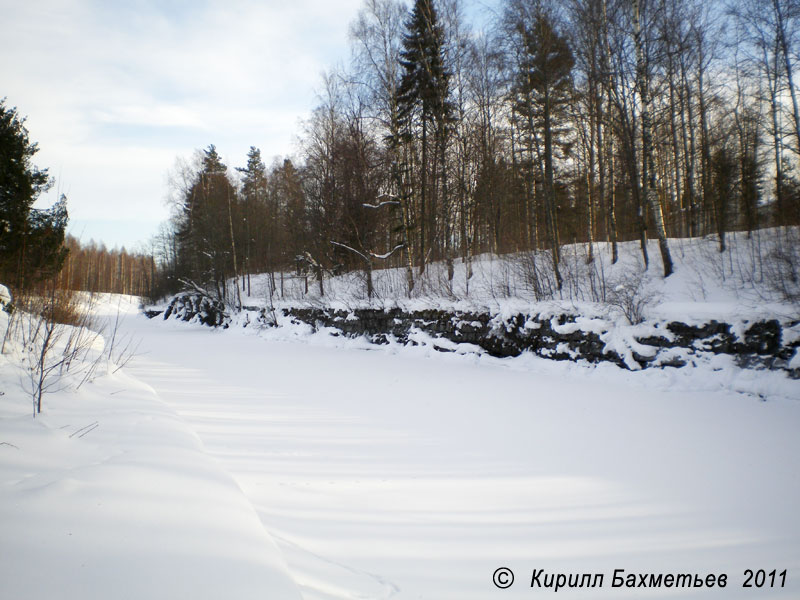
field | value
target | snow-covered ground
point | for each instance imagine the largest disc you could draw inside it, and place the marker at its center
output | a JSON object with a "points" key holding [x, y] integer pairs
{"points": [[404, 473], [109, 494], [750, 280], [271, 463]]}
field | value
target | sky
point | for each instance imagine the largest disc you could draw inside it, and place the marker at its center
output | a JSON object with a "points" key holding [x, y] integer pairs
{"points": [[115, 91]]}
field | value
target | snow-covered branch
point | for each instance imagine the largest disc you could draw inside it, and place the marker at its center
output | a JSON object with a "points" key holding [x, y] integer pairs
{"points": [[369, 253], [191, 284], [346, 247], [392, 201], [306, 256], [388, 254]]}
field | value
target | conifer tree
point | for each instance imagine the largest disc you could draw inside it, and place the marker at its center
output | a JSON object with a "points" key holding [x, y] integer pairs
{"points": [[254, 197], [542, 94], [425, 82], [31, 240], [423, 105], [206, 240]]}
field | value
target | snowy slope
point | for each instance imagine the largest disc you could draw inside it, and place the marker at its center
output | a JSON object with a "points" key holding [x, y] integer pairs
{"points": [[747, 281], [108, 494]]}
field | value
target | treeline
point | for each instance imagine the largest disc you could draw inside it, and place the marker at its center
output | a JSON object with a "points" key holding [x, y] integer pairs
{"points": [[565, 121], [92, 267]]}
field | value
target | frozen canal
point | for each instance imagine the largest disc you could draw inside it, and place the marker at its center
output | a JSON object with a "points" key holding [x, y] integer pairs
{"points": [[388, 474]]}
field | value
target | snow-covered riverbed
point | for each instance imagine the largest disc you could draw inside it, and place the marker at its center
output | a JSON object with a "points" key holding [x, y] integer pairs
{"points": [[405, 473], [397, 474]]}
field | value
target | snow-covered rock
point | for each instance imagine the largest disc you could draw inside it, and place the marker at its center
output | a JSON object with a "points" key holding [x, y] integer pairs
{"points": [[5, 296]]}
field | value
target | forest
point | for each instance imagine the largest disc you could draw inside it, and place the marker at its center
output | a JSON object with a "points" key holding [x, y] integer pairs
{"points": [[561, 123], [555, 124]]}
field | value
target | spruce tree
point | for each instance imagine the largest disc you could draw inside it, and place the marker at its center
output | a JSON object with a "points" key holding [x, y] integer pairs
{"points": [[425, 81], [254, 200], [206, 244], [45, 249], [423, 103], [542, 94], [31, 241]]}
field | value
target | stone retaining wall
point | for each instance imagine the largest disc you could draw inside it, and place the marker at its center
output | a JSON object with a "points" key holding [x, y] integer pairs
{"points": [[757, 344], [561, 337]]}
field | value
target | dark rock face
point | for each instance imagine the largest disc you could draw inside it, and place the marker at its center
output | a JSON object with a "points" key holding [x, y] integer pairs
{"points": [[560, 338], [190, 306], [755, 345], [495, 336], [762, 338]]}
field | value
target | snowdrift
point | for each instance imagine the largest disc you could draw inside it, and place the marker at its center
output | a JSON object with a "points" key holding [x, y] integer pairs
{"points": [[108, 494]]}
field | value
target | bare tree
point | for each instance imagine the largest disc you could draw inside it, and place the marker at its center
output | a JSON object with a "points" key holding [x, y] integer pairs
{"points": [[377, 41], [56, 335], [648, 168]]}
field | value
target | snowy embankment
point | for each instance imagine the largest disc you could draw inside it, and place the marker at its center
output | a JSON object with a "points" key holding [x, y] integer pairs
{"points": [[732, 319], [109, 494], [755, 278]]}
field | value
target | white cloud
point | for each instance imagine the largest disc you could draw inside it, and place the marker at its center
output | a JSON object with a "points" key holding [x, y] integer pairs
{"points": [[115, 90], [151, 115]]}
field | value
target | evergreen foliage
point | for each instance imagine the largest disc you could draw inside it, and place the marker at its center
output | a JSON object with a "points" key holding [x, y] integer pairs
{"points": [[31, 240], [425, 81], [543, 91], [204, 248]]}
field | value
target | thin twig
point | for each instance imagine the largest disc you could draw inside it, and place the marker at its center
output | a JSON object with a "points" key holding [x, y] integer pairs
{"points": [[86, 429], [96, 425]]}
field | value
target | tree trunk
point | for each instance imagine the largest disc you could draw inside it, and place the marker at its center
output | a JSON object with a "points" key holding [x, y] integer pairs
{"points": [[591, 175], [233, 254], [774, 83], [612, 204], [705, 153], [689, 152], [648, 174], [787, 64], [609, 85], [676, 156], [423, 216], [550, 201]]}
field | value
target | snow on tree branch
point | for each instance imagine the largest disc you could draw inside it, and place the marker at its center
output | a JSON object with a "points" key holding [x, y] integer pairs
{"points": [[388, 254], [369, 253], [346, 247], [381, 202]]}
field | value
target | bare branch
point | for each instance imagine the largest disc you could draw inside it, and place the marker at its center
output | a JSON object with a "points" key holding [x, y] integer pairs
{"points": [[346, 247]]}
